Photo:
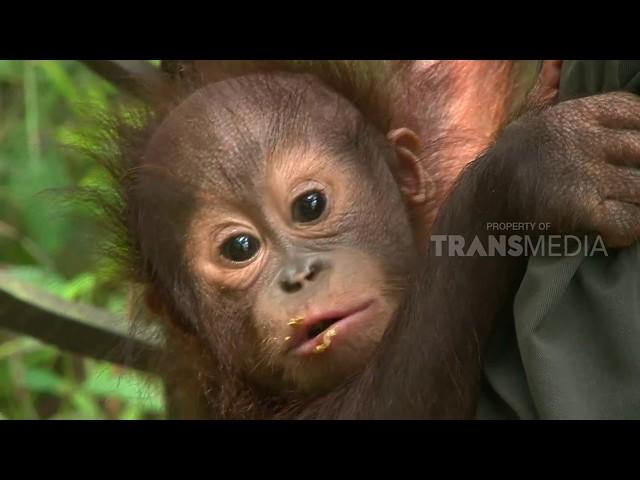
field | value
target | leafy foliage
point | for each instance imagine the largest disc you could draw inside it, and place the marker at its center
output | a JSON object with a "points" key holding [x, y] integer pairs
{"points": [[52, 244]]}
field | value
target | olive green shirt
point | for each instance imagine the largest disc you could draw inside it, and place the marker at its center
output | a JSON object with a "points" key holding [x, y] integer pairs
{"points": [[572, 348]]}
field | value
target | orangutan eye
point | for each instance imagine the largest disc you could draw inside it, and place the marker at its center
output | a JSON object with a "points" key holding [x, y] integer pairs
{"points": [[240, 248], [308, 206]]}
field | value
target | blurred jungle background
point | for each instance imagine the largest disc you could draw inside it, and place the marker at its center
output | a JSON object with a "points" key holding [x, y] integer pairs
{"points": [[51, 244]]}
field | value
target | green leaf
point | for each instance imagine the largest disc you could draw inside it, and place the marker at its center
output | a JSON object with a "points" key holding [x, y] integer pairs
{"points": [[19, 345], [128, 387], [85, 405], [95, 178], [6, 381], [80, 287], [44, 381], [59, 79], [38, 277], [132, 412], [10, 70]]}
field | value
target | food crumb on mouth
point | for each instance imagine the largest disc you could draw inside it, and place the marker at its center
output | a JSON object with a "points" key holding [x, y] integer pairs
{"points": [[296, 321], [317, 329], [326, 341]]}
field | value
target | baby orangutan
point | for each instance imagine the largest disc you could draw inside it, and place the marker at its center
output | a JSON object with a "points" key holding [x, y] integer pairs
{"points": [[270, 204], [275, 234]]}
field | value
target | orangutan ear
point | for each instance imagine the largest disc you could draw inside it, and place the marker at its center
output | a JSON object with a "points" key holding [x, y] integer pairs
{"points": [[407, 170]]}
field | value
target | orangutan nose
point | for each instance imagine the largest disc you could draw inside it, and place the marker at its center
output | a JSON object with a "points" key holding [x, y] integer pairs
{"points": [[301, 270]]}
